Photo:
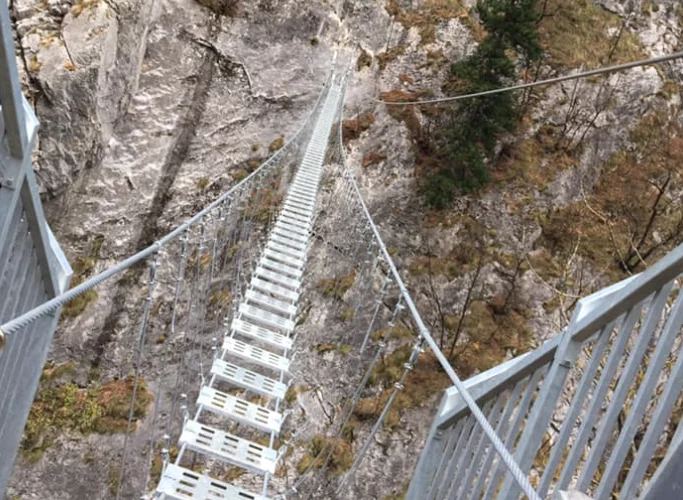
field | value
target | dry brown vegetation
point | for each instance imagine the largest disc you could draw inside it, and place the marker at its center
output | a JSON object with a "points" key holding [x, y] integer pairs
{"points": [[341, 457], [338, 286], [633, 216], [364, 60], [60, 406], [229, 8], [428, 16], [352, 129], [424, 381], [581, 33], [373, 158]]}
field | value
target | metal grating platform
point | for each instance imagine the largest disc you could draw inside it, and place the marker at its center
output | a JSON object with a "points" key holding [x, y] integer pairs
{"points": [[249, 330], [273, 289], [178, 483], [228, 448], [255, 355], [278, 278], [292, 252], [278, 306], [266, 318], [281, 268], [239, 410], [284, 258], [246, 379]]}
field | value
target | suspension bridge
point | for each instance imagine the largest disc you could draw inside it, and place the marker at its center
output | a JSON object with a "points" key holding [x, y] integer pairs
{"points": [[593, 410]]}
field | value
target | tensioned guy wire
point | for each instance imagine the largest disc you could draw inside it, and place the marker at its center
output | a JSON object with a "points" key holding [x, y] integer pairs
{"points": [[549, 81]]}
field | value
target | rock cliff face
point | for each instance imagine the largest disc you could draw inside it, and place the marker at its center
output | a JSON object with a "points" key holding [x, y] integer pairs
{"points": [[150, 108]]}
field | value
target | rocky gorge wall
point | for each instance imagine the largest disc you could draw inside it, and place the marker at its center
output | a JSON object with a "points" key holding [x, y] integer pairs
{"points": [[150, 108]]}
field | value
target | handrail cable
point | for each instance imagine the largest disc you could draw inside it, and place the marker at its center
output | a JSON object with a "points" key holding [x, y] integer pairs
{"points": [[53, 304], [550, 81], [519, 476]]}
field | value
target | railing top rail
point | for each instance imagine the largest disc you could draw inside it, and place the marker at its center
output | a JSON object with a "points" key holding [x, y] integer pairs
{"points": [[624, 297], [52, 305], [492, 382]]}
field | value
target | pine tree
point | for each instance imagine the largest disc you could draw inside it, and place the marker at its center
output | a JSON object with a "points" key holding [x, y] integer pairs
{"points": [[471, 137]]}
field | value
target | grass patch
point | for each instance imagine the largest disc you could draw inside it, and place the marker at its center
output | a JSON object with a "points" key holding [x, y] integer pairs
{"points": [[239, 174], [491, 333], [323, 348], [340, 460], [277, 144], [202, 183], [428, 16], [346, 315], [581, 33], [336, 287], [83, 268], [113, 476], [421, 383], [98, 408]]}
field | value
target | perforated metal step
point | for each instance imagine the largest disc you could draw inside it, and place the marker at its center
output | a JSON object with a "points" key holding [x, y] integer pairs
{"points": [[255, 332], [281, 268], [271, 303], [291, 228], [246, 379], [297, 211], [239, 410], [307, 202], [292, 252], [272, 288], [256, 355], [303, 191], [308, 208], [309, 176], [265, 318], [297, 238], [278, 278], [309, 168], [228, 448], [284, 258], [286, 220], [297, 220], [306, 183], [178, 483]]}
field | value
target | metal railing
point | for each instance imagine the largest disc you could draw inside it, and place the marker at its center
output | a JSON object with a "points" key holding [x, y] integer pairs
{"points": [[595, 409], [33, 268]]}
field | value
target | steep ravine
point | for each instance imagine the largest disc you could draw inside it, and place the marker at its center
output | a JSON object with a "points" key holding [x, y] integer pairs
{"points": [[193, 115], [158, 112]]}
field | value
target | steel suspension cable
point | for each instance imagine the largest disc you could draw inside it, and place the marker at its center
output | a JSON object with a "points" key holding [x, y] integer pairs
{"points": [[550, 81], [139, 356], [398, 386], [170, 337], [48, 307], [520, 478]]}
